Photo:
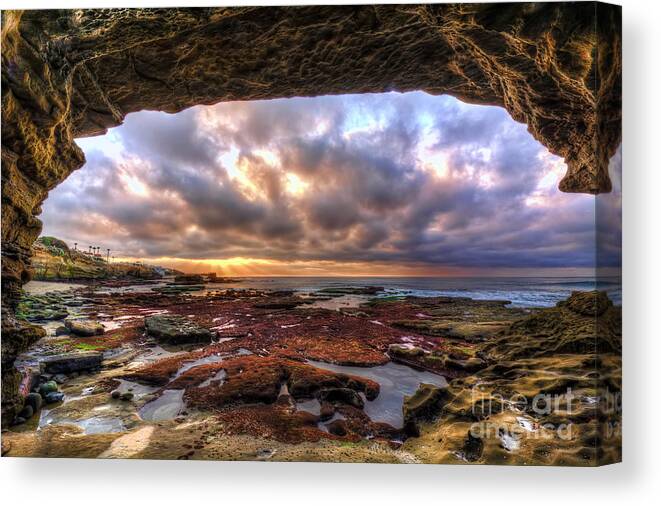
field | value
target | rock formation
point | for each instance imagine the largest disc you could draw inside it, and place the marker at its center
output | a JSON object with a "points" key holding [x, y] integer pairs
{"points": [[52, 259], [75, 73]]}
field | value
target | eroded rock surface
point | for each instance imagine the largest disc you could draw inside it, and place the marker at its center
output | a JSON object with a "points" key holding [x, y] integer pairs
{"points": [[74, 73], [175, 329], [265, 382]]}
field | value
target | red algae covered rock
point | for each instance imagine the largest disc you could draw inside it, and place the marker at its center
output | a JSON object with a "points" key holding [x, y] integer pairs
{"points": [[274, 422], [253, 378]]}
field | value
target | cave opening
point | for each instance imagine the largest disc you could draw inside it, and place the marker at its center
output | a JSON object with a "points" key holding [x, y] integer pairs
{"points": [[407, 184]]}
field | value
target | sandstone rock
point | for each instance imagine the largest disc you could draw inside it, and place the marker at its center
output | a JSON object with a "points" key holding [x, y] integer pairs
{"points": [[84, 328], [473, 448], [594, 303], [72, 362], [587, 322], [189, 279], [452, 364], [405, 352], [176, 329], [469, 365], [423, 405]]}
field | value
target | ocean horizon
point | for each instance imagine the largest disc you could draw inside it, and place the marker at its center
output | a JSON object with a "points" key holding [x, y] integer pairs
{"points": [[521, 291]]}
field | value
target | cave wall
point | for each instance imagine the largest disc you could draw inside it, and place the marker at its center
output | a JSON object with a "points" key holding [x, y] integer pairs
{"points": [[75, 73]]}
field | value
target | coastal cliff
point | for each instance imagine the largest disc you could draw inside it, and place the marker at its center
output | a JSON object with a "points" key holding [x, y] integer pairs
{"points": [[54, 260]]}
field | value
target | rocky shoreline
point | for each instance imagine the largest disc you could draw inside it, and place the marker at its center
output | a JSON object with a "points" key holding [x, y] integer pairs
{"points": [[259, 374]]}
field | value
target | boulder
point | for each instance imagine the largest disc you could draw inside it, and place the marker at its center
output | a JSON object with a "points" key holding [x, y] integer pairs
{"points": [[175, 329], [593, 303], [469, 365], [26, 412], [341, 395], [47, 388], [84, 328], [72, 362], [61, 330], [34, 400], [54, 397], [423, 405], [60, 378], [405, 353]]}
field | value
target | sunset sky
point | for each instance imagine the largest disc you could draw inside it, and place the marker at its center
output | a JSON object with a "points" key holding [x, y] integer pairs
{"points": [[373, 184]]}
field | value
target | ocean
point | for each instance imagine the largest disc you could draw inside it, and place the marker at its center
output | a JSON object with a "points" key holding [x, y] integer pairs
{"points": [[521, 291]]}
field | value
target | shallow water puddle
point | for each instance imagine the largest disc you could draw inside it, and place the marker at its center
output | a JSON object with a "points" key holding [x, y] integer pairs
{"points": [[136, 389], [324, 425], [312, 406], [119, 321], [341, 302], [166, 407], [511, 442], [219, 377], [223, 326], [190, 364], [92, 425], [395, 380], [209, 359], [43, 287], [155, 353]]}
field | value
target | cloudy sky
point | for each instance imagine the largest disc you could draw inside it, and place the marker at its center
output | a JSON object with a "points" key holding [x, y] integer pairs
{"points": [[380, 184]]}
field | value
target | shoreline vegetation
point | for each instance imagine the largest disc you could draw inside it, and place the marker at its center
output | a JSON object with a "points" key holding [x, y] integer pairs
{"points": [[142, 369]]}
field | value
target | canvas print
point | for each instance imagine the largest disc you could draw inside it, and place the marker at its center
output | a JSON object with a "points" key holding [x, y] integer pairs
{"points": [[375, 233]]}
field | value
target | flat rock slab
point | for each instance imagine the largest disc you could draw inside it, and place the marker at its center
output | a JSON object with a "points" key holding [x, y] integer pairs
{"points": [[175, 329], [84, 328], [72, 362]]}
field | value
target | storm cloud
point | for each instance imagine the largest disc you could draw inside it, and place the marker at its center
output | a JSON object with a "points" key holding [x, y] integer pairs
{"points": [[385, 179]]}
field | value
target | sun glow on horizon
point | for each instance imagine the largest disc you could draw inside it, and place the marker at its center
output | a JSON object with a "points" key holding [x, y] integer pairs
{"points": [[260, 267]]}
